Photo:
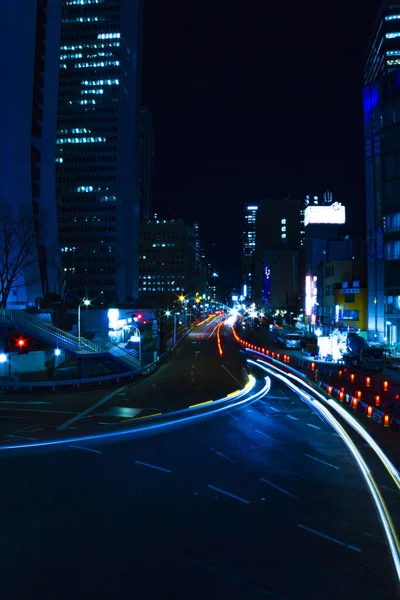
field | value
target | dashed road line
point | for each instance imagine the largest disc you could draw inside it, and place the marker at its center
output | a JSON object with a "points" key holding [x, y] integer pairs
{"points": [[144, 464], [278, 488], [21, 437], [224, 456], [313, 426], [322, 461], [292, 417], [233, 417], [328, 537], [87, 449], [275, 409], [278, 397], [265, 435], [385, 487], [216, 489]]}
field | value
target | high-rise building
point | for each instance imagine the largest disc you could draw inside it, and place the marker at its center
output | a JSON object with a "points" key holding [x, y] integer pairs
{"points": [[146, 164], [167, 261], [98, 146], [382, 172], [383, 54], [249, 253], [29, 73]]}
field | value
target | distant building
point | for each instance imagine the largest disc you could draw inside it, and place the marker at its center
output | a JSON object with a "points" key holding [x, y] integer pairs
{"points": [[98, 146], [280, 279], [277, 234], [146, 164], [29, 75], [382, 172], [343, 301], [167, 261], [249, 253]]}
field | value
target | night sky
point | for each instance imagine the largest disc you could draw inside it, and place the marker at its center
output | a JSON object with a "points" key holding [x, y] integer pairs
{"points": [[254, 100]]}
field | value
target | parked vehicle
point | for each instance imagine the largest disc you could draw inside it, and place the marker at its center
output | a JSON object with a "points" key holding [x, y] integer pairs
{"points": [[289, 340], [363, 354]]}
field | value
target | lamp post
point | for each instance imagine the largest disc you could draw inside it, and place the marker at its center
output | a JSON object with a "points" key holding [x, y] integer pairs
{"points": [[84, 302], [138, 338], [175, 328], [389, 324]]}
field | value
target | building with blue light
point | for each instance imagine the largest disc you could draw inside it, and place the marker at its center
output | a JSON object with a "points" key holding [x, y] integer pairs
{"points": [[249, 253], [29, 73], [98, 146], [381, 99]]}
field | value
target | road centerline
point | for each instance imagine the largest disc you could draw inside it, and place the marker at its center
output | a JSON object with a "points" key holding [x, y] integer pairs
{"points": [[328, 537], [217, 489], [87, 449], [322, 461], [278, 488], [144, 464]]}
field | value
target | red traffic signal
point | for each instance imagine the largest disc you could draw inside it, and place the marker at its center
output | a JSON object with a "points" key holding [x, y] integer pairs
{"points": [[21, 343]]}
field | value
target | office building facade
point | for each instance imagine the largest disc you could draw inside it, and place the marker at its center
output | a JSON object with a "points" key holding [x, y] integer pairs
{"points": [[381, 102], [98, 146], [29, 73], [146, 164], [383, 53], [249, 253], [167, 261]]}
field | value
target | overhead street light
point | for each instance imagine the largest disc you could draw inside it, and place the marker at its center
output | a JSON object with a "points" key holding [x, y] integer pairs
{"points": [[84, 302]]}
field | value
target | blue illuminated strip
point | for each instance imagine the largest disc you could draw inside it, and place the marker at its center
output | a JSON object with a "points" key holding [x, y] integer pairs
{"points": [[390, 36], [392, 17], [393, 53], [156, 425]]}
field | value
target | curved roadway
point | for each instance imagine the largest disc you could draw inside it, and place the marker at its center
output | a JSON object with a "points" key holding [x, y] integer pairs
{"points": [[264, 501]]}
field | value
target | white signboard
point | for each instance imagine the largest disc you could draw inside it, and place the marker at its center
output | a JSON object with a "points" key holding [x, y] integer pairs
{"points": [[334, 214]]}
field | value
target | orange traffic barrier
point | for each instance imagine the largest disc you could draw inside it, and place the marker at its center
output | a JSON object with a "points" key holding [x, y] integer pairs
{"points": [[377, 400], [358, 394], [369, 412], [386, 421], [368, 381], [385, 385], [354, 403], [341, 396], [352, 377], [330, 388]]}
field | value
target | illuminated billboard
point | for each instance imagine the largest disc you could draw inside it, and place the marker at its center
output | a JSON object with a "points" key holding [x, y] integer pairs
{"points": [[311, 293], [332, 214]]}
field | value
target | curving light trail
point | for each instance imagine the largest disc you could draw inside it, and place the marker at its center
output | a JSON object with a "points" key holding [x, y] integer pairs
{"points": [[319, 407], [240, 396]]}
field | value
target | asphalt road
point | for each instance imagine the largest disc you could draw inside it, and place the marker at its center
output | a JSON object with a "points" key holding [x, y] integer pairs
{"points": [[262, 502], [194, 373]]}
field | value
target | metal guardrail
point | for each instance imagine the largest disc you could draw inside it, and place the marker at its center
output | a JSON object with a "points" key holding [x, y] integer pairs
{"points": [[16, 385]]}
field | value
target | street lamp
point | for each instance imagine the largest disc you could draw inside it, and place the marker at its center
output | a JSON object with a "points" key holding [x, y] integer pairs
{"points": [[137, 338], [389, 324], [84, 302]]}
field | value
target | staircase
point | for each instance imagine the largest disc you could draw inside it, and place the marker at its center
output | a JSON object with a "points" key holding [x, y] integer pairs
{"points": [[81, 347]]}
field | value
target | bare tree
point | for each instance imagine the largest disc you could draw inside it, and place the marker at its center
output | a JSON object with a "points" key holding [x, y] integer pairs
{"points": [[17, 249]]}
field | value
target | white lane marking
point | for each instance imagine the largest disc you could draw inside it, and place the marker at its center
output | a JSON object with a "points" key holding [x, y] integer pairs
{"points": [[275, 409], [233, 417], [90, 409], [21, 437], [40, 410], [278, 488], [193, 366], [22, 403], [216, 489], [291, 417], [322, 461], [265, 435], [83, 448], [233, 377], [328, 537], [278, 397], [198, 389], [313, 426], [139, 462], [225, 457]]}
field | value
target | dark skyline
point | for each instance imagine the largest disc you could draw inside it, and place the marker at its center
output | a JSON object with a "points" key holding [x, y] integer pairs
{"points": [[251, 102]]}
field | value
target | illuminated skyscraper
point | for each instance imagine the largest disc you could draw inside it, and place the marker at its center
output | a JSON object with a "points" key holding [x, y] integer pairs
{"points": [[382, 172], [384, 47], [98, 146], [249, 253], [146, 164], [29, 72]]}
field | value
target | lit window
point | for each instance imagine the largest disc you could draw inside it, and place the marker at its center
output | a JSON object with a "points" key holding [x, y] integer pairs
{"points": [[391, 17], [283, 228], [393, 52], [283, 221], [283, 236], [395, 34]]}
